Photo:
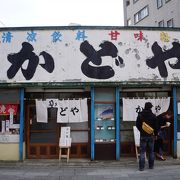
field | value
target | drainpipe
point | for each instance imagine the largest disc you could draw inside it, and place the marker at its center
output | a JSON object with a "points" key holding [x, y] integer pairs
{"points": [[92, 123], [117, 123], [21, 124], [175, 123]]}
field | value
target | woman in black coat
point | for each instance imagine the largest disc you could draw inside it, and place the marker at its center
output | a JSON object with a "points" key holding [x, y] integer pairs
{"points": [[162, 125]]}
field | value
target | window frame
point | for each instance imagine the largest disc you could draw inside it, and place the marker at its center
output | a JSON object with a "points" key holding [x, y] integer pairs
{"points": [[166, 1], [129, 22], [172, 21], [134, 1], [162, 21], [139, 14], [127, 3], [159, 3]]}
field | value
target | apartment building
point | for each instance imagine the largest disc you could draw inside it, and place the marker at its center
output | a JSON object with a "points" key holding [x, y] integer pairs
{"points": [[153, 13]]}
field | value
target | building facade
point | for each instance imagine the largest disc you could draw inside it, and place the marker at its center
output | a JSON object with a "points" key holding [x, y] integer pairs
{"points": [[94, 80], [156, 13]]}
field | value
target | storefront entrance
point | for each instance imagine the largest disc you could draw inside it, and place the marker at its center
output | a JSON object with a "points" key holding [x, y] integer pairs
{"points": [[127, 145], [42, 138]]}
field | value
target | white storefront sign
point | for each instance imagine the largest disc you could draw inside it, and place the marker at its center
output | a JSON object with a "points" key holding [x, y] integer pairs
{"points": [[88, 55]]}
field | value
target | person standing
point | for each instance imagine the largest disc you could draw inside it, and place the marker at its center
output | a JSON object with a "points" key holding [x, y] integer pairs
{"points": [[162, 125], [146, 139]]}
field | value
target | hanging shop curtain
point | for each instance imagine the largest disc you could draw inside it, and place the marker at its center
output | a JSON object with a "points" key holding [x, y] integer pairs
{"points": [[63, 108], [69, 111], [74, 111], [41, 111], [131, 107], [84, 110]]}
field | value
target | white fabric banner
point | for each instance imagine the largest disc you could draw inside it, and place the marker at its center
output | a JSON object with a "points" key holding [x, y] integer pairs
{"points": [[74, 111], [131, 107], [63, 111], [69, 111], [161, 105], [41, 111], [84, 110]]}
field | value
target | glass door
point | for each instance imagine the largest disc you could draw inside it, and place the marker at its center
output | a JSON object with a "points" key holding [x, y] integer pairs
{"points": [[105, 140], [42, 138]]}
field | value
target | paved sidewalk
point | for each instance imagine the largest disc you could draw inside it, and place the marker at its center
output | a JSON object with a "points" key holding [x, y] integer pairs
{"points": [[126, 169]]}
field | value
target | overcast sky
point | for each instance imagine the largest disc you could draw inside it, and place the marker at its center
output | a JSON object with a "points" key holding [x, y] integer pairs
{"points": [[18, 13]]}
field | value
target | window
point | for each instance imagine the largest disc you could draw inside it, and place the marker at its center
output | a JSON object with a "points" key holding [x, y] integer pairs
{"points": [[141, 14], [170, 23], [159, 3], [127, 3], [128, 22], [166, 1], [161, 23], [104, 123]]}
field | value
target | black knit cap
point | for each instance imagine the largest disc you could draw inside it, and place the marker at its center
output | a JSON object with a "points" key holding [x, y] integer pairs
{"points": [[148, 105]]}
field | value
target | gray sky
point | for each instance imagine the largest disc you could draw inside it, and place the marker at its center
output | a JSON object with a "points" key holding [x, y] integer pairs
{"points": [[18, 13]]}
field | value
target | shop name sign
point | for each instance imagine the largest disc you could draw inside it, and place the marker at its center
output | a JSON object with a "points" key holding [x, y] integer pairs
{"points": [[82, 54], [7, 109]]}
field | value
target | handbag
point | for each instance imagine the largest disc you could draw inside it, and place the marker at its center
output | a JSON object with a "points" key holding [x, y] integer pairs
{"points": [[148, 129]]}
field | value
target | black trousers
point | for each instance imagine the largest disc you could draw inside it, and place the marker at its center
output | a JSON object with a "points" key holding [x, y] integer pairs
{"points": [[158, 146]]}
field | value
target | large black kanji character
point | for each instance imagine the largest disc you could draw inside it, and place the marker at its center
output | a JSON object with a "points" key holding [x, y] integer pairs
{"points": [[157, 108], [160, 56], [99, 72], [63, 110], [26, 53], [49, 62], [17, 59], [74, 110]]}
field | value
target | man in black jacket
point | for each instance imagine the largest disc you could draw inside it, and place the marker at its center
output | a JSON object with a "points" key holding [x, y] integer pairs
{"points": [[146, 140]]}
